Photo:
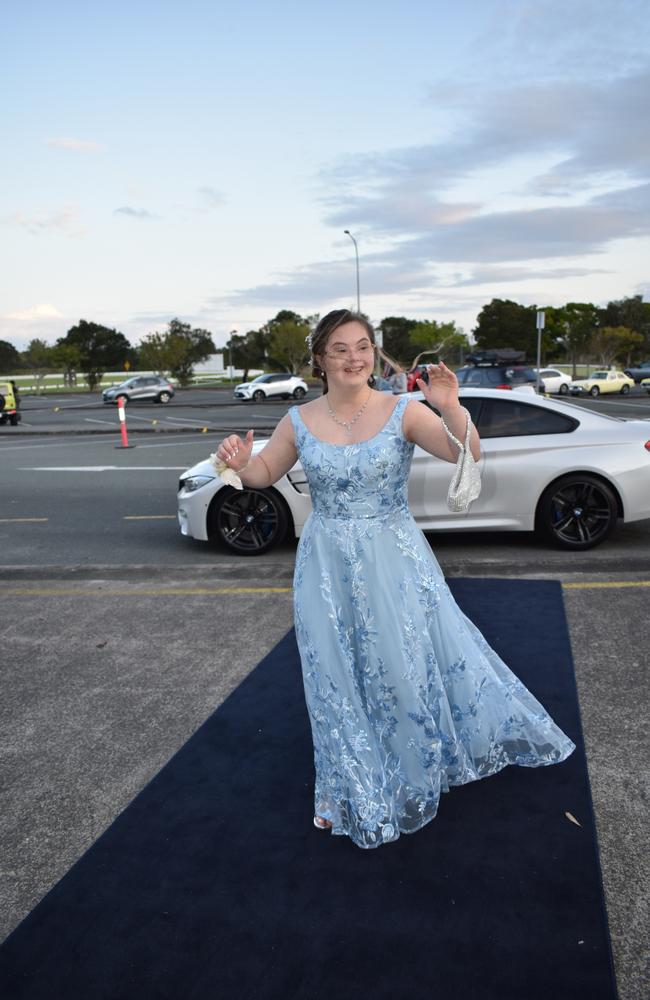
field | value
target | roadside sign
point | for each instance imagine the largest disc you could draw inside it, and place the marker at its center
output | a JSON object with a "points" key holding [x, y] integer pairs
{"points": [[127, 365]]}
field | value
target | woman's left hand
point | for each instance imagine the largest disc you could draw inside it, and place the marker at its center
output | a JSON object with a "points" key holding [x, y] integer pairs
{"points": [[442, 390]]}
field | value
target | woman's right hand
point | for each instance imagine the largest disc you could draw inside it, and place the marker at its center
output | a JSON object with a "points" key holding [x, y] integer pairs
{"points": [[235, 452]]}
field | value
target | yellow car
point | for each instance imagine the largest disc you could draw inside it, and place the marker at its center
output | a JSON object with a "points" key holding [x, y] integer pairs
{"points": [[602, 381], [645, 384], [9, 404]]}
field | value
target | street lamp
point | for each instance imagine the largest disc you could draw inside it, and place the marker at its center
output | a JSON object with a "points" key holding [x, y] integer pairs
{"points": [[232, 334], [356, 252]]}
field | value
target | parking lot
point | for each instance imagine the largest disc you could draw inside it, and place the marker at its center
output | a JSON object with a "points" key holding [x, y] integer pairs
{"points": [[123, 636]]}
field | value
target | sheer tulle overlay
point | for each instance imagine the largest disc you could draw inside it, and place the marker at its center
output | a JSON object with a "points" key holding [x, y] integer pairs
{"points": [[405, 697]]}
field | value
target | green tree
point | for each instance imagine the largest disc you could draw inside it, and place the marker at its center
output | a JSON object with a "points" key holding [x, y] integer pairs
{"points": [[247, 351], [10, 359], [503, 323], [576, 324], [176, 351], [396, 337], [631, 312], [100, 349], [38, 359], [615, 343], [286, 341], [445, 340], [67, 357]]}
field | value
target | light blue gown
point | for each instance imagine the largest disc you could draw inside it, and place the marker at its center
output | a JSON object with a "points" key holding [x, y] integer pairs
{"points": [[405, 696]]}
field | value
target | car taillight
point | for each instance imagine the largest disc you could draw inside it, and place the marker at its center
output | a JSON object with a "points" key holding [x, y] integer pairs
{"points": [[647, 446], [504, 387]]}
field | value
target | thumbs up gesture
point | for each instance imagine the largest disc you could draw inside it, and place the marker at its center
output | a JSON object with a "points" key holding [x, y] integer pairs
{"points": [[235, 452]]}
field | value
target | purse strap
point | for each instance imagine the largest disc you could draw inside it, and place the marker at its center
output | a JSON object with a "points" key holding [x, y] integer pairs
{"points": [[465, 447]]}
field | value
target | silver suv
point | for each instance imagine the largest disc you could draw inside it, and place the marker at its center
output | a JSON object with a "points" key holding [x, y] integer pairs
{"points": [[283, 385], [140, 387]]}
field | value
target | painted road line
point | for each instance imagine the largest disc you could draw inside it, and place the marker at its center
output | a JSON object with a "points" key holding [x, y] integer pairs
{"points": [[149, 517], [135, 591], [23, 520], [605, 585], [103, 468], [91, 420]]}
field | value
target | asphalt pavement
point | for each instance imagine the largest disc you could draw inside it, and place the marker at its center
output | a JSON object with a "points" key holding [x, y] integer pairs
{"points": [[121, 637]]}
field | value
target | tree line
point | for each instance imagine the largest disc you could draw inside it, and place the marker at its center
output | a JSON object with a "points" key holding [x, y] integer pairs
{"points": [[617, 332]]}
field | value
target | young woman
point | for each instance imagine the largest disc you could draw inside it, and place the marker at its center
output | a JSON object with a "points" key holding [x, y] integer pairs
{"points": [[405, 697]]}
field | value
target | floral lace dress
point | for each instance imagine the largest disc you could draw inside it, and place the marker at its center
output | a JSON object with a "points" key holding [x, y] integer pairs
{"points": [[405, 696]]}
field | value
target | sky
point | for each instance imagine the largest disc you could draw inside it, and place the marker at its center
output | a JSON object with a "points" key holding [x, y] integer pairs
{"points": [[202, 160]]}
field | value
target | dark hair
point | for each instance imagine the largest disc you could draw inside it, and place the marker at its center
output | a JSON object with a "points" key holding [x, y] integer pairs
{"points": [[326, 327]]}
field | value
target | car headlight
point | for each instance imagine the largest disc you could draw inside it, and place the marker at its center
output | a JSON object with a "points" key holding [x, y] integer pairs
{"points": [[194, 483]]}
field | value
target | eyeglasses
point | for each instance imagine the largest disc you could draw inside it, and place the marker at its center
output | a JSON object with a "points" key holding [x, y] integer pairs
{"points": [[364, 352]]}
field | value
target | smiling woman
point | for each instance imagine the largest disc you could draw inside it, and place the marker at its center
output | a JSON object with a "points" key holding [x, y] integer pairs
{"points": [[405, 697]]}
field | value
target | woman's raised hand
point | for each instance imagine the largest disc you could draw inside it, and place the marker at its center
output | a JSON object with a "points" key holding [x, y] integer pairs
{"points": [[442, 390], [235, 452]]}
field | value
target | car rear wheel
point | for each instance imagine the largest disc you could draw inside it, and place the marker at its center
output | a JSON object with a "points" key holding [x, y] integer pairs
{"points": [[298, 392], [248, 522], [163, 397], [577, 512], [564, 389], [625, 390], [258, 396], [594, 391]]}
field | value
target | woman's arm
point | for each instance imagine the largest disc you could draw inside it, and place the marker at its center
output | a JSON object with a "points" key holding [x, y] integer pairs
{"points": [[270, 464]]}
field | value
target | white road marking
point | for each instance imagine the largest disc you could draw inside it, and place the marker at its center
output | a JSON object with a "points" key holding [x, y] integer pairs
{"points": [[183, 420], [22, 520], [91, 420], [149, 517], [103, 468]]}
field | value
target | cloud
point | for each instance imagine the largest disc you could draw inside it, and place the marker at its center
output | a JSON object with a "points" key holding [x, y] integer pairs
{"points": [[496, 275], [35, 313], [135, 213], [78, 145], [211, 197], [65, 221]]}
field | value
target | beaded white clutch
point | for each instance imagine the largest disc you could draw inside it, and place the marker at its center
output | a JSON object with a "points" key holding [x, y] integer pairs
{"points": [[465, 485]]}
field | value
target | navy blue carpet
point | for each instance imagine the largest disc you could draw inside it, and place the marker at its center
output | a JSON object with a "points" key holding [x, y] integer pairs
{"points": [[213, 883]]}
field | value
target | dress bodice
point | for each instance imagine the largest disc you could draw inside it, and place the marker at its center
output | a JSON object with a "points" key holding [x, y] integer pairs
{"points": [[362, 480]]}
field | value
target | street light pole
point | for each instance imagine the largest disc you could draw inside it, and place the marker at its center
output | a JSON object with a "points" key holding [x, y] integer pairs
{"points": [[232, 334], [356, 253]]}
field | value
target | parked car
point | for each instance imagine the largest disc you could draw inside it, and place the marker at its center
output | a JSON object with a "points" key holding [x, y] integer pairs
{"points": [[497, 369], [151, 387], [602, 381], [554, 380], [420, 371], [646, 384], [9, 404], [546, 464], [639, 373], [280, 384]]}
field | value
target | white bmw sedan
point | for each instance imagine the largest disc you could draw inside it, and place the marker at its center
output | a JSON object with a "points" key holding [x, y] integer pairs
{"points": [[549, 465]]}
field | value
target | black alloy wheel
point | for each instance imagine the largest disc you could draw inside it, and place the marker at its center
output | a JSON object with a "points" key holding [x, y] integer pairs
{"points": [[577, 512], [625, 390], [298, 392], [594, 391], [258, 396], [564, 389], [249, 522]]}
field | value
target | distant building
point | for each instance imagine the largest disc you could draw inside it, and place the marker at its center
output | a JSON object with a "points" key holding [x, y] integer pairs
{"points": [[212, 365]]}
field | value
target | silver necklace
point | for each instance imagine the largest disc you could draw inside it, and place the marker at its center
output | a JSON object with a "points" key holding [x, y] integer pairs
{"points": [[347, 423]]}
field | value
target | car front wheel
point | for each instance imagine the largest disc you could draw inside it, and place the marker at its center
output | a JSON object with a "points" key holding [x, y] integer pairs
{"points": [[298, 392], [577, 512], [625, 390], [248, 522], [258, 396], [564, 389], [594, 391], [163, 397]]}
